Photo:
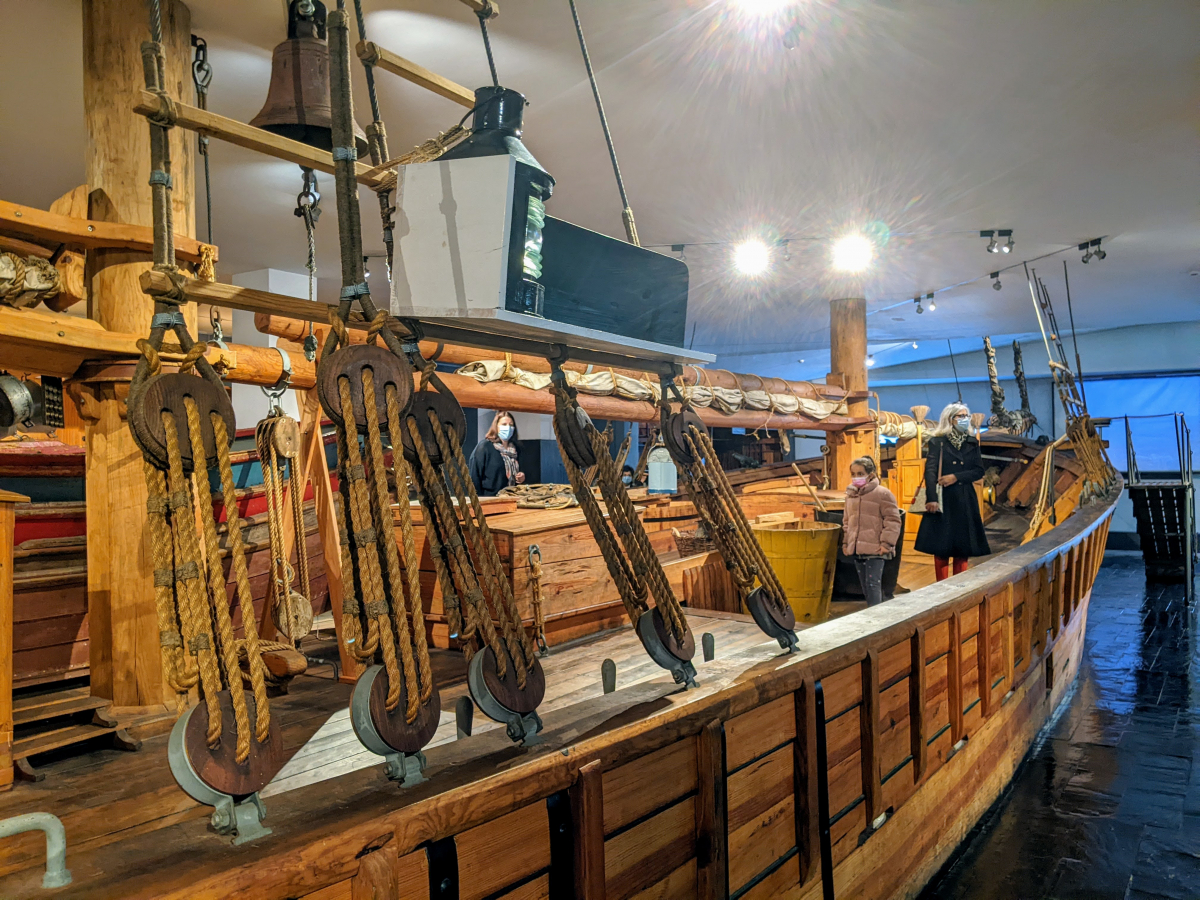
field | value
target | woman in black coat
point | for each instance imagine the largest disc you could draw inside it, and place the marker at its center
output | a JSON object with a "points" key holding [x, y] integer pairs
{"points": [[953, 530], [494, 463]]}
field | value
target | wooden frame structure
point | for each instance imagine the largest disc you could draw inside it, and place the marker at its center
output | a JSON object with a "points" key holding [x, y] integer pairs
{"points": [[707, 793]]}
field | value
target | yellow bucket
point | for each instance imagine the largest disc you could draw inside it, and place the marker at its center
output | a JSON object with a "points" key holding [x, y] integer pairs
{"points": [[803, 554]]}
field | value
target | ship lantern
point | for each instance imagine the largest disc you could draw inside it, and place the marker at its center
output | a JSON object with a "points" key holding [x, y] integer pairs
{"points": [[297, 105]]}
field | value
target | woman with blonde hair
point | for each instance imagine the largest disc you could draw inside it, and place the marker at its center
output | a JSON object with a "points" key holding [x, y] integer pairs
{"points": [[494, 463], [952, 528]]}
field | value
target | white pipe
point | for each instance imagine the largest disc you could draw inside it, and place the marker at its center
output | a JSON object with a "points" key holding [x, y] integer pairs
{"points": [[57, 875]]}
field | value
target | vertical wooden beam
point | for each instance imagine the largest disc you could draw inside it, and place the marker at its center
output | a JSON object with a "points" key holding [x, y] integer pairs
{"points": [[869, 734], [1009, 663], [123, 624], [983, 656], [805, 775], [954, 686], [1056, 595], [587, 816], [312, 452], [8, 505], [918, 682], [848, 368], [376, 876], [712, 815]]}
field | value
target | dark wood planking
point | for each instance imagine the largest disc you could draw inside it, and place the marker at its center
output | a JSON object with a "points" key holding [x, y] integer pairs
{"points": [[587, 816], [713, 819]]}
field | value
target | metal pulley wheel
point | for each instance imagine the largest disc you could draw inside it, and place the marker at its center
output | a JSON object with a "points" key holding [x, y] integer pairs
{"points": [[350, 363], [389, 734], [167, 393], [674, 655], [215, 777], [777, 620], [502, 700]]}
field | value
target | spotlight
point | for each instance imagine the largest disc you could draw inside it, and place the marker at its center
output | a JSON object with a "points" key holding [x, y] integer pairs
{"points": [[787, 253], [751, 257], [932, 304], [1087, 254], [1006, 233], [920, 309], [914, 345], [991, 236], [852, 253], [1098, 253], [996, 283], [870, 360], [366, 267], [679, 248]]}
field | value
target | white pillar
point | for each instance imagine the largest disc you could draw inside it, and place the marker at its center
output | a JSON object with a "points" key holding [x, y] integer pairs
{"points": [[250, 404]]}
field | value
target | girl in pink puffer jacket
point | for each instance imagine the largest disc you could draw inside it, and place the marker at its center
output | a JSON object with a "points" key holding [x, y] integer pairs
{"points": [[870, 528]]}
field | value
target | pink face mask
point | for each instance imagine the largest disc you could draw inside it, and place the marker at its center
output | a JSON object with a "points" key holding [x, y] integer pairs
{"points": [[858, 482]]}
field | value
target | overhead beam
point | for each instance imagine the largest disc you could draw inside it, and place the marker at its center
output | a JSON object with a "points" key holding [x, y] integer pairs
{"points": [[49, 228], [382, 58], [232, 131]]}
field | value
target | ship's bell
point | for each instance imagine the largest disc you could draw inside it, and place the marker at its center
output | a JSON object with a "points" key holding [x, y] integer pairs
{"points": [[297, 105]]}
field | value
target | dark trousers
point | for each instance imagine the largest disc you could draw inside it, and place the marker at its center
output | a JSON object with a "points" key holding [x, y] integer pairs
{"points": [[870, 577]]}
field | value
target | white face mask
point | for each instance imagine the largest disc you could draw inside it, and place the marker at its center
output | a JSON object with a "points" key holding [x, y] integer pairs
{"points": [[962, 425], [626, 479], [505, 432]]}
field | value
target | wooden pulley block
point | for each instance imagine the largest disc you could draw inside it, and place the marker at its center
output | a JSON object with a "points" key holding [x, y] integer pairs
{"points": [[449, 413], [167, 393], [676, 433], [777, 620], [218, 768], [573, 433], [384, 732], [296, 616], [503, 700], [350, 363], [285, 436]]}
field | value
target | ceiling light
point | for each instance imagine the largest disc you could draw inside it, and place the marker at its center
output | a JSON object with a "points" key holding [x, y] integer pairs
{"points": [[932, 304], [852, 253], [751, 257], [996, 283], [1006, 233], [991, 236], [1087, 254], [870, 360], [914, 345], [1098, 253], [762, 8], [920, 309]]}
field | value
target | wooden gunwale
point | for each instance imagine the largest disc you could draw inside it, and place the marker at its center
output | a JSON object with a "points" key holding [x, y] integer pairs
{"points": [[320, 833]]}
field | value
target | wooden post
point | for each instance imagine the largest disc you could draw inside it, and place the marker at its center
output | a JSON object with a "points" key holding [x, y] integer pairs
{"points": [[8, 517], [805, 775], [869, 735], [848, 369], [712, 838], [124, 652], [983, 656], [917, 689], [954, 687], [587, 816], [1009, 663]]}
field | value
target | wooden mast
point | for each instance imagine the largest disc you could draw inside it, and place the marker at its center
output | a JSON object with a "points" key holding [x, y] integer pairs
{"points": [[124, 652], [848, 369]]}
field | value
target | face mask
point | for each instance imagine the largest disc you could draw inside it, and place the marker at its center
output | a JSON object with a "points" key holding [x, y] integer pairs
{"points": [[962, 426], [858, 482], [505, 432], [626, 479]]}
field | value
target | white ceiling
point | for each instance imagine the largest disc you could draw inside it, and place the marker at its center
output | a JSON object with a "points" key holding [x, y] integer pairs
{"points": [[925, 119]]}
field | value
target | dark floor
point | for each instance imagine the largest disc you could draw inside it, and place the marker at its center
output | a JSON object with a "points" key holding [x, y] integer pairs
{"points": [[1108, 806]]}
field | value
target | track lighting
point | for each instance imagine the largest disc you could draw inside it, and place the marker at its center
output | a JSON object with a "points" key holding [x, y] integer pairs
{"points": [[1091, 250], [679, 248], [991, 236], [996, 283], [920, 309], [751, 257], [870, 360], [932, 304], [852, 253], [914, 345], [1006, 233]]}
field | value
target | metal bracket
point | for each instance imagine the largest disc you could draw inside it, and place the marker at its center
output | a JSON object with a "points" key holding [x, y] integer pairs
{"points": [[522, 729], [406, 769], [275, 392], [681, 670]]}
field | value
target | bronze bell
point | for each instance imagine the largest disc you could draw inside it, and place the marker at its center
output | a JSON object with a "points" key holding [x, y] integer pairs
{"points": [[297, 104]]}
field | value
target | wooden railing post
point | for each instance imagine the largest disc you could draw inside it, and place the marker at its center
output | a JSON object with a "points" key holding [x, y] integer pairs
{"points": [[954, 688], [587, 816], [1009, 643], [8, 504], [917, 686], [805, 775], [712, 819], [983, 655], [869, 735]]}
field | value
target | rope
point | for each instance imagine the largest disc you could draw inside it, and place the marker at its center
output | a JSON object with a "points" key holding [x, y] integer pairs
{"points": [[535, 587]]}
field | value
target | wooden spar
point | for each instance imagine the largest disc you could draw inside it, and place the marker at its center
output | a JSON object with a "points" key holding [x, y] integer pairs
{"points": [[382, 58], [49, 228], [297, 329], [232, 131], [848, 367]]}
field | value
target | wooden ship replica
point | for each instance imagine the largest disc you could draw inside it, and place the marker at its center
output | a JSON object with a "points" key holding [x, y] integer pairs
{"points": [[151, 637]]}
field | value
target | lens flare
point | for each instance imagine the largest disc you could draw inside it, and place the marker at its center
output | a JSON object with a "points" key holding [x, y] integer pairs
{"points": [[852, 253], [762, 8], [751, 257]]}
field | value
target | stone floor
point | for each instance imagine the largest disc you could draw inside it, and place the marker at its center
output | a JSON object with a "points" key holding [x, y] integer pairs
{"points": [[1108, 804]]}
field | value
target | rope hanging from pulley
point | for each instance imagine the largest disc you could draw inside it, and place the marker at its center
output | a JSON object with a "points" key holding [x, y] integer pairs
{"points": [[184, 424], [632, 562], [367, 391], [687, 440]]}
